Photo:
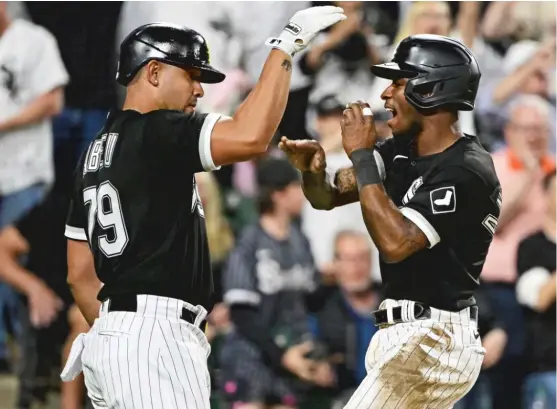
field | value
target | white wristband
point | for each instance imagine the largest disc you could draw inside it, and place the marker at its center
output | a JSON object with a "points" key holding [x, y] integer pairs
{"points": [[279, 44]]}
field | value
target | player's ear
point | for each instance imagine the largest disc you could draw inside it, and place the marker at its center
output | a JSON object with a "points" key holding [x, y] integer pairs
{"points": [[153, 71]]}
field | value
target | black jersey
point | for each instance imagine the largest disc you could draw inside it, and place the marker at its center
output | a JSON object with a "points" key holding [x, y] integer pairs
{"points": [[454, 197], [135, 201]]}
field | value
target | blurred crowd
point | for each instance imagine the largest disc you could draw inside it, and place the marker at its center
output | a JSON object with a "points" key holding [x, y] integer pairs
{"points": [[57, 67]]}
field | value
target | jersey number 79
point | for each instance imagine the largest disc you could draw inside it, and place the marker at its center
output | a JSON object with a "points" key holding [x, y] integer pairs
{"points": [[106, 210]]}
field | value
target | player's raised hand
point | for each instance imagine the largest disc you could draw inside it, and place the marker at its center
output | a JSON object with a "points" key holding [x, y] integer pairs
{"points": [[304, 26], [358, 127], [305, 155]]}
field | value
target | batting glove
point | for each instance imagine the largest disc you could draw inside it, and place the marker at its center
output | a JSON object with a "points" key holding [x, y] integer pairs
{"points": [[304, 26]]}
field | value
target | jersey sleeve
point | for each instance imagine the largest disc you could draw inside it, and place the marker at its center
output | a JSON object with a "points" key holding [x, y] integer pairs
{"points": [[449, 204], [384, 154], [76, 222], [185, 137], [239, 284]]}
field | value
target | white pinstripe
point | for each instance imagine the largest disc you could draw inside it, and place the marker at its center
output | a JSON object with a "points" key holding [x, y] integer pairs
{"points": [[147, 360], [412, 365]]}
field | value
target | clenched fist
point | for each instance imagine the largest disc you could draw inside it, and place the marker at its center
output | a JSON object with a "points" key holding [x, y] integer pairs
{"points": [[358, 130], [305, 155]]}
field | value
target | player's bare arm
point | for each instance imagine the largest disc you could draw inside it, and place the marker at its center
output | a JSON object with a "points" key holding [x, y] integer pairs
{"points": [[83, 280], [395, 236], [322, 192], [250, 130]]}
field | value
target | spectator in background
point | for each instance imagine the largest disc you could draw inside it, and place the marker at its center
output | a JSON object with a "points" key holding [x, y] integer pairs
{"points": [[494, 340], [519, 20], [269, 284], [219, 233], [526, 67], [32, 78], [265, 18], [45, 296], [85, 33], [321, 226], [340, 58], [535, 290], [344, 324], [521, 168]]}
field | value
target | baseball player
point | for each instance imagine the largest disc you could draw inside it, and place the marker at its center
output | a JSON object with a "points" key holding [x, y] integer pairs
{"points": [[136, 223], [430, 199]]}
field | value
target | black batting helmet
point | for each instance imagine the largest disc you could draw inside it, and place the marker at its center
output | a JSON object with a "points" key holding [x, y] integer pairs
{"points": [[170, 44], [442, 72]]}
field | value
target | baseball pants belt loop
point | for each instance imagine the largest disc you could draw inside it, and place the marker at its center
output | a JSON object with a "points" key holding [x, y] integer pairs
{"points": [[410, 311], [128, 303]]}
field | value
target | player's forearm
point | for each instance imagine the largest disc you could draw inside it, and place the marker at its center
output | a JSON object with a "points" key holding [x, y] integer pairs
{"points": [[85, 293], [45, 106], [259, 115], [395, 237], [326, 195], [318, 190]]}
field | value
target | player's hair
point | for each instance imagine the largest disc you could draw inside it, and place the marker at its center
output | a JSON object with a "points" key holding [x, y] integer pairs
{"points": [[219, 233]]}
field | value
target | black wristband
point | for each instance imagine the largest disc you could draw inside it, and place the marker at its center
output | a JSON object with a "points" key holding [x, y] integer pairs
{"points": [[367, 172]]}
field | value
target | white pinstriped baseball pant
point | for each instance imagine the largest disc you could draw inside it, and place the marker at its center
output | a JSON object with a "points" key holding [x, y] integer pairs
{"points": [[147, 360], [421, 364]]}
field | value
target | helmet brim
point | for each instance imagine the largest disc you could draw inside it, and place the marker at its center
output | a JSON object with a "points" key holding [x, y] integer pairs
{"points": [[392, 71], [209, 75]]}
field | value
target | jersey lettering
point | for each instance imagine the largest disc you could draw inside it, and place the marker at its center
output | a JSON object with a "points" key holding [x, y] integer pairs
{"points": [[412, 190], [196, 201], [100, 153], [490, 223], [106, 210]]}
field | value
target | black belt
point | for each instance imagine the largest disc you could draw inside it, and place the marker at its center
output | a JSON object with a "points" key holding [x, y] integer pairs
{"points": [[421, 312], [129, 303]]}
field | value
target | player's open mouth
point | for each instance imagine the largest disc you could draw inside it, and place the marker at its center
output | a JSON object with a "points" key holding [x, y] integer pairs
{"points": [[392, 111]]}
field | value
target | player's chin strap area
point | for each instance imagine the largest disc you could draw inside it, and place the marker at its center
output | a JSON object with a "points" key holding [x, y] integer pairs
{"points": [[396, 312]]}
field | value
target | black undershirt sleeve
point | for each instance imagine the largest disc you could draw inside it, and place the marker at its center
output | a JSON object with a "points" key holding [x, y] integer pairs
{"points": [[248, 324]]}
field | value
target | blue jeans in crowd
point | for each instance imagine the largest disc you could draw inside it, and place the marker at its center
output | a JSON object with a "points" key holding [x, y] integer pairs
{"points": [[479, 396], [79, 125], [12, 208], [507, 376], [539, 391]]}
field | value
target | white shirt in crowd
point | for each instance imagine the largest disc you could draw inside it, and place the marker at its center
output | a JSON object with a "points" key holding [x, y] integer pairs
{"points": [[321, 226], [252, 23], [30, 66]]}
